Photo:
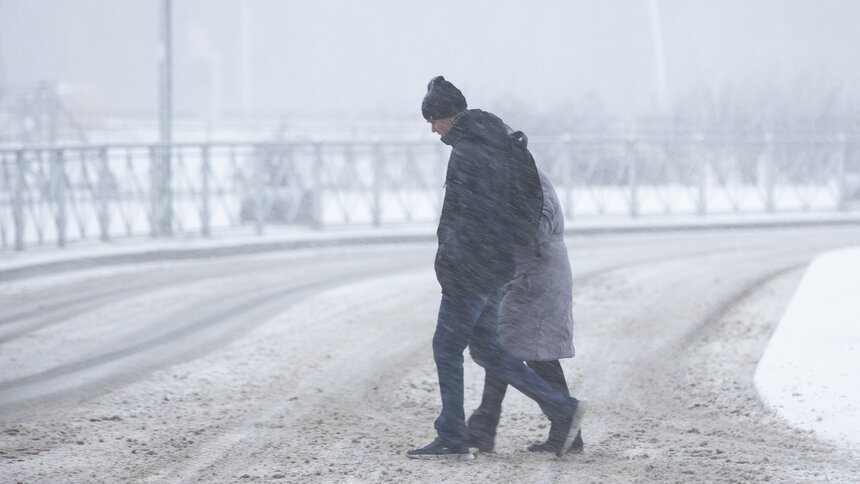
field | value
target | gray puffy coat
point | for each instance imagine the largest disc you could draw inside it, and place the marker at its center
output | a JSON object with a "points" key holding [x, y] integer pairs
{"points": [[536, 316]]}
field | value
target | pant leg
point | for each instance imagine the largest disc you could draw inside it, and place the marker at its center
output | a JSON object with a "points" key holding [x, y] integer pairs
{"points": [[552, 372], [495, 388], [488, 352], [454, 329], [494, 392]]}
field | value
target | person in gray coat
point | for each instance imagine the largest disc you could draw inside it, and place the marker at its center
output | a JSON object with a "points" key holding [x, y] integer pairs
{"points": [[535, 321]]}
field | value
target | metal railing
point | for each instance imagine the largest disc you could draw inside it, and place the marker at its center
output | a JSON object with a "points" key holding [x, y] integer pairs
{"points": [[59, 194]]}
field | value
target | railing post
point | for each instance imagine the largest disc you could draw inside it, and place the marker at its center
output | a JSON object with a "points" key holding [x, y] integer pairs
{"points": [[18, 200], [104, 195], [769, 172], [59, 194], [441, 174], [633, 176], [167, 191], [410, 165], [317, 188], [204, 191], [842, 203], [125, 220], [153, 192], [6, 188], [154, 178], [161, 197], [700, 158], [259, 165], [378, 175], [567, 164]]}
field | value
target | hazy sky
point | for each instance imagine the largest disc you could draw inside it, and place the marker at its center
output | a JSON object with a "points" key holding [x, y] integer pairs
{"points": [[374, 57]]}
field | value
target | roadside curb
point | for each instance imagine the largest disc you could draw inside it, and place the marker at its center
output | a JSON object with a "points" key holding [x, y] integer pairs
{"points": [[168, 254], [694, 223], [60, 260]]}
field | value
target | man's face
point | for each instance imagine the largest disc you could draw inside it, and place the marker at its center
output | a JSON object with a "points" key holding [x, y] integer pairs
{"points": [[442, 126]]}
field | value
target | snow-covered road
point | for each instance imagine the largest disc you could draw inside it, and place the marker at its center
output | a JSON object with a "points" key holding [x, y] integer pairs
{"points": [[315, 365]]}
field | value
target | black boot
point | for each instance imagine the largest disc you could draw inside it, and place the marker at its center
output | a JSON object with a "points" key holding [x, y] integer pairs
{"points": [[439, 451], [481, 428], [563, 431], [576, 448]]}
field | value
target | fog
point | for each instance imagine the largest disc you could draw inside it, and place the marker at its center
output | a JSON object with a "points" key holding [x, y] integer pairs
{"points": [[238, 285], [372, 59]]}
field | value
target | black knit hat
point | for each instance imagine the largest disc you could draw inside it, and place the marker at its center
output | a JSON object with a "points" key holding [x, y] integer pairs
{"points": [[442, 100]]}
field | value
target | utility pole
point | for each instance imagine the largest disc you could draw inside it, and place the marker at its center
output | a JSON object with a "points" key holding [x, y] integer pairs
{"points": [[659, 58], [161, 196]]}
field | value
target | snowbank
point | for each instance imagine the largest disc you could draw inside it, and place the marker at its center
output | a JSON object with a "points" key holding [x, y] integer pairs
{"points": [[808, 373]]}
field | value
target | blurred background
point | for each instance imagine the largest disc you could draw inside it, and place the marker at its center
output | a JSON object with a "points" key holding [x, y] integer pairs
{"points": [[551, 66], [754, 102]]}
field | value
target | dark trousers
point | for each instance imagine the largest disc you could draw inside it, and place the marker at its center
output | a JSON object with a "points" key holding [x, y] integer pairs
{"points": [[495, 387], [471, 320]]}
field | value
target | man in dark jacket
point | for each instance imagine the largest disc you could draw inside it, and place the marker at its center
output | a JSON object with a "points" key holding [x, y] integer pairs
{"points": [[474, 260]]}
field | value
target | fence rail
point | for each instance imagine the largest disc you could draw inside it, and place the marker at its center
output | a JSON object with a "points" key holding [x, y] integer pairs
{"points": [[58, 194]]}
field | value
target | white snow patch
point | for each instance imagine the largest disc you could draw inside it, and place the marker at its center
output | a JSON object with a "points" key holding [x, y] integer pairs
{"points": [[808, 373]]}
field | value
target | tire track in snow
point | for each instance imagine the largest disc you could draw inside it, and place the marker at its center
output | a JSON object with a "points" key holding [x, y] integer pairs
{"points": [[233, 315], [53, 305]]}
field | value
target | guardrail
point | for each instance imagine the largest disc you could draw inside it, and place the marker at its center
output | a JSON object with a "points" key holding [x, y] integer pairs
{"points": [[59, 194]]}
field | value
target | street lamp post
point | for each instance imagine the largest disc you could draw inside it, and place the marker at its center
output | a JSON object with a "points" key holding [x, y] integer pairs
{"points": [[161, 196]]}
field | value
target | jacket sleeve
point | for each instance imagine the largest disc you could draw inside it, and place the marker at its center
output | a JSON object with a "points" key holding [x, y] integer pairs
{"points": [[552, 218]]}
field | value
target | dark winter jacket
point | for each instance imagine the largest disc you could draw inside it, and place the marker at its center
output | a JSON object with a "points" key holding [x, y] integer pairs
{"points": [[476, 251]]}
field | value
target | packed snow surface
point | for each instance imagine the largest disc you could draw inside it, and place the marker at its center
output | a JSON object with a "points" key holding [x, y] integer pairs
{"points": [[315, 365]]}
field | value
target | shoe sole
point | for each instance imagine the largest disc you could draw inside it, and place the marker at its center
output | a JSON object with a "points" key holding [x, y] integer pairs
{"points": [[457, 457], [575, 425]]}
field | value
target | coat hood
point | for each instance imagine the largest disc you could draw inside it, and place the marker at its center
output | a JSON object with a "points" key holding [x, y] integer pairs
{"points": [[479, 126]]}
